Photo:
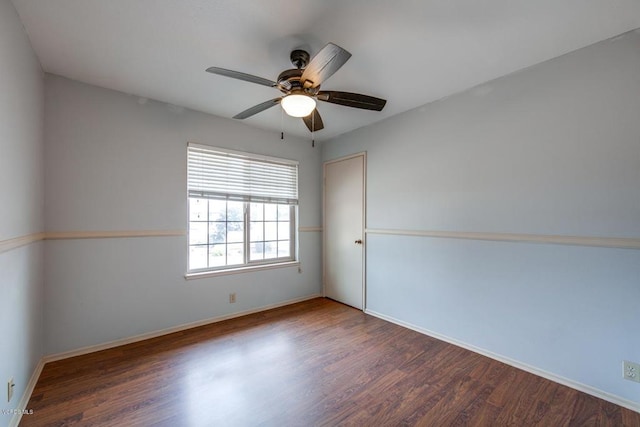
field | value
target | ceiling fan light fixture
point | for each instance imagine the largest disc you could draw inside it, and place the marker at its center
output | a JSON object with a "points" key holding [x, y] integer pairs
{"points": [[300, 87], [298, 105]]}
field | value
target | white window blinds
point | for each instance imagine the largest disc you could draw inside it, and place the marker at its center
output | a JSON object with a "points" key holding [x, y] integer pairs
{"points": [[213, 173]]}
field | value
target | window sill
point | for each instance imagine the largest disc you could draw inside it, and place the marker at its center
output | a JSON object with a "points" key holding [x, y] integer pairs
{"points": [[239, 270]]}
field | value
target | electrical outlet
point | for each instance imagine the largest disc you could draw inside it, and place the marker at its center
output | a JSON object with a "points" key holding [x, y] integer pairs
{"points": [[10, 386], [232, 298], [631, 371]]}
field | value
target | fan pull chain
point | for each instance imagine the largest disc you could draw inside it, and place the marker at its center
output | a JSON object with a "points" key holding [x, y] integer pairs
{"points": [[313, 128], [281, 124]]}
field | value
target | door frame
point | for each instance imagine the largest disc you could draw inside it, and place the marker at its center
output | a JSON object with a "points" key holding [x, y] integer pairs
{"points": [[362, 154]]}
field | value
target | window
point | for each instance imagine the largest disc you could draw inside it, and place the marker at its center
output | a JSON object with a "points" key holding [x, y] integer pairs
{"points": [[242, 209]]}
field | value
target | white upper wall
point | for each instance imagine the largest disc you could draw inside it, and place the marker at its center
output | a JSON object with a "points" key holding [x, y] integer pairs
{"points": [[116, 162], [550, 150], [21, 118]]}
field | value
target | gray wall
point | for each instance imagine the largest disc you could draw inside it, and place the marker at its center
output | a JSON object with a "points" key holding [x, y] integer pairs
{"points": [[21, 198], [554, 150], [114, 163]]}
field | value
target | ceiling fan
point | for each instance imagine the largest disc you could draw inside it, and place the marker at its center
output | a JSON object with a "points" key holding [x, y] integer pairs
{"points": [[301, 86]]}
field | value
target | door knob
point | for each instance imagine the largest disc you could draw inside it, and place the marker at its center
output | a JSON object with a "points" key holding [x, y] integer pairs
{"points": [[359, 242]]}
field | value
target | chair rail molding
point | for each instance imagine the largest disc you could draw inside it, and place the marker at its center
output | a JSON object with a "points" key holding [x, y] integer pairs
{"points": [[604, 242]]}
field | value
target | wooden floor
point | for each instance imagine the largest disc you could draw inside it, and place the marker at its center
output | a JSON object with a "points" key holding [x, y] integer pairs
{"points": [[313, 363]]}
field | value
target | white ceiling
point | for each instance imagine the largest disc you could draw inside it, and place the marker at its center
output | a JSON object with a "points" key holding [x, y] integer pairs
{"points": [[409, 52]]}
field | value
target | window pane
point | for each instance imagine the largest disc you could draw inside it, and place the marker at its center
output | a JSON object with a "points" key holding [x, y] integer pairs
{"points": [[197, 209], [256, 232], [217, 232], [283, 230], [235, 232], [256, 251], [283, 212], [270, 250], [217, 210], [235, 254], [217, 255], [256, 211], [235, 211], [197, 233], [270, 212], [283, 248], [270, 231], [197, 257]]}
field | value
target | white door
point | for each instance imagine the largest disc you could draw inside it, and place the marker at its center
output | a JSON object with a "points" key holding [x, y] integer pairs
{"points": [[343, 230]]}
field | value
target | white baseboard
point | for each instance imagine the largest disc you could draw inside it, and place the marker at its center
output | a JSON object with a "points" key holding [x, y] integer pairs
{"points": [[154, 334], [634, 406], [24, 400]]}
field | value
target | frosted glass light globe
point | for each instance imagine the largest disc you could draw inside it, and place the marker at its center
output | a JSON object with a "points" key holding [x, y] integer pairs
{"points": [[297, 105]]}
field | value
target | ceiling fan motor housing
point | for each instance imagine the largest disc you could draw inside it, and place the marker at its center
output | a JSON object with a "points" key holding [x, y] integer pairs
{"points": [[299, 58], [289, 81]]}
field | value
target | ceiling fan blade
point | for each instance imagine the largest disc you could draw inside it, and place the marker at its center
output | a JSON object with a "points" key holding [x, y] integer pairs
{"points": [[314, 121], [241, 76], [355, 100], [323, 65], [257, 108]]}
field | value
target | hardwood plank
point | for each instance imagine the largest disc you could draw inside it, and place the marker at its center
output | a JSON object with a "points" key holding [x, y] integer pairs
{"points": [[317, 362]]}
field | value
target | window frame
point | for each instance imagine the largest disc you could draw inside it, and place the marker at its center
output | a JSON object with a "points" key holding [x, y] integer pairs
{"points": [[247, 264]]}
